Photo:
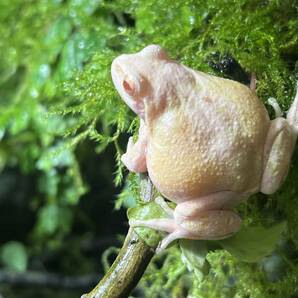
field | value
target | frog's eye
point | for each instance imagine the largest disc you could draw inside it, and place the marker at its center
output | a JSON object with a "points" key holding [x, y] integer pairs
{"points": [[130, 85], [154, 51]]}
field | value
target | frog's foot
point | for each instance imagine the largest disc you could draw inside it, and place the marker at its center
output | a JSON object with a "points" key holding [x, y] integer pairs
{"points": [[177, 234], [292, 115], [274, 104], [279, 147], [165, 225], [134, 158]]}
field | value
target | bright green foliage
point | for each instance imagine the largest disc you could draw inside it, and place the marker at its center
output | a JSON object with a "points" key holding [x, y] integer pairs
{"points": [[14, 256], [56, 95], [251, 244]]}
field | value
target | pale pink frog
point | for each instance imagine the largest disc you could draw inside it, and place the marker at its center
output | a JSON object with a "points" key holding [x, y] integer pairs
{"points": [[206, 142]]}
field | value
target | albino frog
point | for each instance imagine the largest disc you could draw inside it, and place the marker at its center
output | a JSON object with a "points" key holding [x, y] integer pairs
{"points": [[206, 142]]}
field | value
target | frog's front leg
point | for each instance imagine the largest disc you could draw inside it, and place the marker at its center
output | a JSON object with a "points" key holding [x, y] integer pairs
{"points": [[279, 147], [135, 157]]}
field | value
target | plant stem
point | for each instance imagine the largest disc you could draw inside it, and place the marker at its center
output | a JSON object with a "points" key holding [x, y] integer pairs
{"points": [[39, 279], [131, 262]]}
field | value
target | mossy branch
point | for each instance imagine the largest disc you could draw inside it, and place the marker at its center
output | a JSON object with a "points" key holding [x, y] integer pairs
{"points": [[131, 262]]}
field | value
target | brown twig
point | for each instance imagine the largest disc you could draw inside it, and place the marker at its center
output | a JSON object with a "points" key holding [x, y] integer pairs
{"points": [[131, 262]]}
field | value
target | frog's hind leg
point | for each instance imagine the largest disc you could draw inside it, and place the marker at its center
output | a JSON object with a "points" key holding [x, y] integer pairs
{"points": [[161, 224], [165, 225], [279, 147], [168, 225], [273, 102], [292, 115], [210, 225], [200, 218], [178, 234]]}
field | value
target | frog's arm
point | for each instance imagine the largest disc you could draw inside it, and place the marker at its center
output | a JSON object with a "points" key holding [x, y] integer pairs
{"points": [[135, 156]]}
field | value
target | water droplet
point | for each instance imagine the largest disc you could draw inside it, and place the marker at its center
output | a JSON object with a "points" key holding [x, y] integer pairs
{"points": [[34, 93], [81, 45], [192, 20], [44, 70]]}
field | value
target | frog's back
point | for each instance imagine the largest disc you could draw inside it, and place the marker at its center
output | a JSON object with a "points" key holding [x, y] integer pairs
{"points": [[211, 141]]}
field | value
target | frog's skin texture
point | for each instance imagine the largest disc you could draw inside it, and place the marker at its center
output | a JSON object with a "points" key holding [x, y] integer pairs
{"points": [[206, 142]]}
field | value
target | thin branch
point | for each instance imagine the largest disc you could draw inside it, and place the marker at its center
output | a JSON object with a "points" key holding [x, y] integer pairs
{"points": [[131, 262], [48, 280]]}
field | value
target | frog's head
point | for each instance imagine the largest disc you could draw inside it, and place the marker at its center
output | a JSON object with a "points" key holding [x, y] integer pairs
{"points": [[135, 76]]}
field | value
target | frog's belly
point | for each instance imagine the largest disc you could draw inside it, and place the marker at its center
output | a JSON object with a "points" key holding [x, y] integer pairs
{"points": [[184, 167]]}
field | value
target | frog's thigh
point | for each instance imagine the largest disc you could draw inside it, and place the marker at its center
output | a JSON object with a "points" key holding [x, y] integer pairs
{"points": [[278, 151], [214, 201], [212, 224]]}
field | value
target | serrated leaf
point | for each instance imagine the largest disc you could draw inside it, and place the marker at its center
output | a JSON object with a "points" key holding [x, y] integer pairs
{"points": [[194, 254], [14, 256], [147, 211], [251, 244]]}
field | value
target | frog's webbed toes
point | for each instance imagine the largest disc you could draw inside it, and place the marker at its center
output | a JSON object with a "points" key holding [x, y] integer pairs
{"points": [[162, 224], [134, 162], [274, 104], [292, 115], [178, 234]]}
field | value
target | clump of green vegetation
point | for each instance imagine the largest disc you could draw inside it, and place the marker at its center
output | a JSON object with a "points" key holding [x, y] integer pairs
{"points": [[57, 95]]}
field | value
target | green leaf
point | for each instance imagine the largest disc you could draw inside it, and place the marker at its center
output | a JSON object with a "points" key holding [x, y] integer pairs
{"points": [[14, 256], [251, 244], [147, 211], [53, 219], [194, 257]]}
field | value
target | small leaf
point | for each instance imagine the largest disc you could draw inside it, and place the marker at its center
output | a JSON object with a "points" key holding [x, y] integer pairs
{"points": [[194, 257], [251, 244], [147, 211], [53, 219], [14, 256]]}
